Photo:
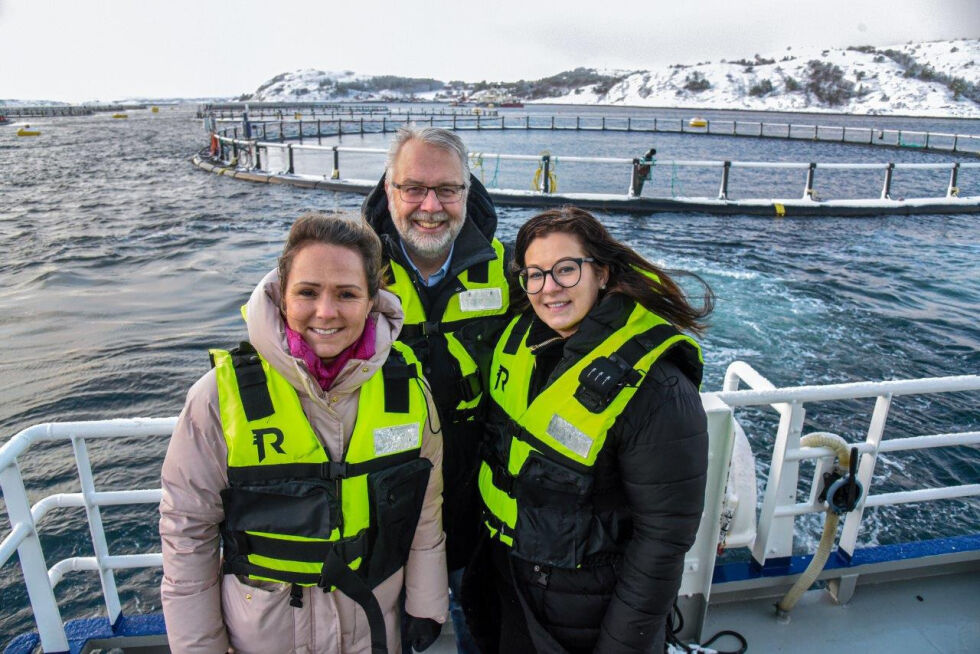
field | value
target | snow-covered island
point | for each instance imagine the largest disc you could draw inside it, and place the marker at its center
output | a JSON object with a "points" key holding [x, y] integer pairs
{"points": [[935, 78]]}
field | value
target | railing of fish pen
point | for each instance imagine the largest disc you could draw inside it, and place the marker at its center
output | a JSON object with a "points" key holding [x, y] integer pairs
{"points": [[774, 535], [298, 125], [636, 177]]}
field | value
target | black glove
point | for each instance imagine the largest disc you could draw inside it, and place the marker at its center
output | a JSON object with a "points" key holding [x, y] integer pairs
{"points": [[422, 632]]}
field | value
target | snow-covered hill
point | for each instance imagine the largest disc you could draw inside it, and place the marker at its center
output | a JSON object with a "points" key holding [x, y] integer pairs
{"points": [[938, 78]]}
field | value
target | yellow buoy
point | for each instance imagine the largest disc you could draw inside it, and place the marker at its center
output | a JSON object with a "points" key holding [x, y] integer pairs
{"points": [[697, 121], [120, 116], [27, 131], [298, 116], [155, 110]]}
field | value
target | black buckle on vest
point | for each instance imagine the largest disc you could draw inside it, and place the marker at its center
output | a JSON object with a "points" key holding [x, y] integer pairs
{"points": [[333, 470], [501, 478], [601, 381]]}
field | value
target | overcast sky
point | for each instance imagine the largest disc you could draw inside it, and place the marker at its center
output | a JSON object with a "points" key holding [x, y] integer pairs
{"points": [[77, 50]]}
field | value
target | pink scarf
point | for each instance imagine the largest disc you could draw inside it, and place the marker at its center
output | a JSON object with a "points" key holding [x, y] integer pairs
{"points": [[326, 372]]}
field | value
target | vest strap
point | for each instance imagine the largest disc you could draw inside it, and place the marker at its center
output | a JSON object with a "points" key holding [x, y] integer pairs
{"points": [[470, 387], [479, 273], [337, 573], [548, 451], [502, 479], [420, 330], [497, 525], [635, 348], [250, 569], [251, 382], [305, 551], [430, 328], [517, 334], [397, 374], [327, 470]]}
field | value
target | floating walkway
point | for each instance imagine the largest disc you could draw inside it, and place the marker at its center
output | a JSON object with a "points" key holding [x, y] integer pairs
{"points": [[284, 124], [67, 110], [243, 159]]}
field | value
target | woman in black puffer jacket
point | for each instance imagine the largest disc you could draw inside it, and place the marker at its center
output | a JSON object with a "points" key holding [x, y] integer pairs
{"points": [[596, 453]]}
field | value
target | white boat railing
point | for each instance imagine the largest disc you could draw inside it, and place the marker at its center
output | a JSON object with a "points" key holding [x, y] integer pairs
{"points": [[774, 536], [25, 519], [776, 520]]}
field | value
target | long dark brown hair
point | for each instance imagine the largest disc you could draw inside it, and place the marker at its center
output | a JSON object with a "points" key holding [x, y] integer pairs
{"points": [[629, 273]]}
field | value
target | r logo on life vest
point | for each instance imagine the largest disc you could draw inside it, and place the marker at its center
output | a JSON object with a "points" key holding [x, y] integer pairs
{"points": [[259, 440], [501, 373]]}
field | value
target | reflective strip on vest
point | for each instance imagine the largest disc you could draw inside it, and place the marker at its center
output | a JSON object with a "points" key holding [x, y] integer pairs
{"points": [[286, 437], [556, 418]]}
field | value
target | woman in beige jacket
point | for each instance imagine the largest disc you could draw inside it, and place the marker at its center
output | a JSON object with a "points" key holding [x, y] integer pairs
{"points": [[326, 330]]}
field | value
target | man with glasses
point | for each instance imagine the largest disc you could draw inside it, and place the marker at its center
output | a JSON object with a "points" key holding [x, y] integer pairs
{"points": [[437, 224]]}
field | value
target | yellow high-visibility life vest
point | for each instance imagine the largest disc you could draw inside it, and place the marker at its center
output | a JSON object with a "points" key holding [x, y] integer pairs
{"points": [[538, 472], [288, 506]]}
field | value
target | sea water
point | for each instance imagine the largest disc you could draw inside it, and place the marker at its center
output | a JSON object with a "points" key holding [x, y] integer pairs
{"points": [[122, 263]]}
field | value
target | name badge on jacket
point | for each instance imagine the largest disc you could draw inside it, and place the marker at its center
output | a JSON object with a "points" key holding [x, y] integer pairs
{"points": [[481, 299]]}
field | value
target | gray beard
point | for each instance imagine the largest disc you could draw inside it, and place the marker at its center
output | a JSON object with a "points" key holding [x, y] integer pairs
{"points": [[428, 247]]}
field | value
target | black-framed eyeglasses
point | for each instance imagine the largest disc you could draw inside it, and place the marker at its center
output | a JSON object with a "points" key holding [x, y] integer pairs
{"points": [[566, 272], [416, 193]]}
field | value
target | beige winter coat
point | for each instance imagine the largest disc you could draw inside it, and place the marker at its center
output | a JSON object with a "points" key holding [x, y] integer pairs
{"points": [[210, 612]]}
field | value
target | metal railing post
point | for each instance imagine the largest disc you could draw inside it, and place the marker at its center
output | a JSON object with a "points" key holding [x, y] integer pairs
{"points": [[775, 535], [808, 190], [319, 134], [301, 132], [94, 514], [723, 192], [546, 169], [953, 190], [336, 164], [258, 157], [852, 523], [289, 152], [50, 626], [886, 190]]}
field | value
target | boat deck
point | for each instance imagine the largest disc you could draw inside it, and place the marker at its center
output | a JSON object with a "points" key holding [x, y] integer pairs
{"points": [[929, 615]]}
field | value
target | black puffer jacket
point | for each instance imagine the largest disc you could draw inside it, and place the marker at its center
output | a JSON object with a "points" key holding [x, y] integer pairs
{"points": [[647, 502], [460, 440]]}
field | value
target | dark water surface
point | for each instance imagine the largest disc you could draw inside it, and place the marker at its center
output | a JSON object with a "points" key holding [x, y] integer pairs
{"points": [[122, 263]]}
